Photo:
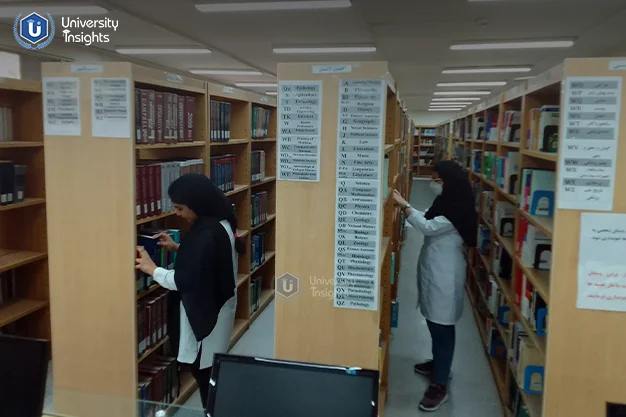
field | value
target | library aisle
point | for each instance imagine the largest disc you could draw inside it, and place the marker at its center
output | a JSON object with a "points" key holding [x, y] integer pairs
{"points": [[473, 392]]}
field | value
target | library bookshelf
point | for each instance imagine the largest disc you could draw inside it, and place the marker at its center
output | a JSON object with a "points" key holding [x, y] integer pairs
{"points": [[24, 295], [100, 205], [424, 151], [308, 326], [541, 366]]}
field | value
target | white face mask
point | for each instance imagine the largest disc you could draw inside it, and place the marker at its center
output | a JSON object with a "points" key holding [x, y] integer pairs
{"points": [[436, 187]]}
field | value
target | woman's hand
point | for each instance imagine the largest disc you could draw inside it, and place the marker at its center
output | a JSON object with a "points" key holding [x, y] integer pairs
{"points": [[166, 242], [144, 262], [397, 198]]}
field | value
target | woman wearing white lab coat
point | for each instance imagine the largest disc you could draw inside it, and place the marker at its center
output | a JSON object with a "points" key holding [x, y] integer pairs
{"points": [[449, 226]]}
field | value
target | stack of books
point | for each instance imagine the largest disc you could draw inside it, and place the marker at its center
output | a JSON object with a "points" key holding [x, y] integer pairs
{"points": [[259, 207], [159, 383], [543, 134], [161, 257], [151, 321], [260, 122], [223, 171], [220, 121], [163, 117]]}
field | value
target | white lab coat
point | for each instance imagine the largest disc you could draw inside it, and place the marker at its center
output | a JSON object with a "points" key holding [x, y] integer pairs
{"points": [[219, 339], [441, 269]]}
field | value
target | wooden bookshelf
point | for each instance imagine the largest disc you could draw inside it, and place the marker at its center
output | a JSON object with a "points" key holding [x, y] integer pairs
{"points": [[24, 290], [308, 326], [424, 149], [101, 275], [569, 372]]}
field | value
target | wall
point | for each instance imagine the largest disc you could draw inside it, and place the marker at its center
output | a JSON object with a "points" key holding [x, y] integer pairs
{"points": [[426, 118]]}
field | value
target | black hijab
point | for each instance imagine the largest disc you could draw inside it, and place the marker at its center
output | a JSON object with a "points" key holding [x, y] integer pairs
{"points": [[456, 201], [204, 264]]}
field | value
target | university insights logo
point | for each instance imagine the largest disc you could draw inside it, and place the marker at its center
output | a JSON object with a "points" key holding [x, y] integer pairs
{"points": [[33, 31]]}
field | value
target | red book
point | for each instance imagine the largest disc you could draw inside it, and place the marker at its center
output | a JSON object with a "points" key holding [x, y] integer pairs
{"points": [[145, 195], [158, 195], [144, 116], [137, 192], [159, 114], [182, 119], [174, 118], [167, 118], [190, 110], [151, 116]]}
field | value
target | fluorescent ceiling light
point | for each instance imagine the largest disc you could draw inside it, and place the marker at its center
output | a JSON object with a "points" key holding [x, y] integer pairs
{"points": [[523, 78], [326, 50], [439, 104], [512, 45], [12, 11], [224, 72], [272, 6], [486, 70], [456, 99], [271, 93], [462, 93], [257, 85], [473, 84], [451, 109], [162, 51]]}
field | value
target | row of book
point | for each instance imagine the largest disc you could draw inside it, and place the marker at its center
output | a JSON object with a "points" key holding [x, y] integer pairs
{"points": [[258, 166], [151, 321], [158, 383], [543, 133], [534, 246], [222, 171], [161, 257], [260, 122], [527, 361], [537, 192], [163, 117], [220, 121], [257, 255], [153, 179], [12, 183], [6, 124], [259, 207], [531, 304], [511, 126], [8, 287], [255, 295], [506, 174], [516, 403]]}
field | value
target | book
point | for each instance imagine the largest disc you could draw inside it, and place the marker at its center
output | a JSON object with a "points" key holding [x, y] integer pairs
{"points": [[543, 131], [159, 125], [259, 207], [537, 189], [257, 166], [222, 171], [7, 182], [189, 122]]}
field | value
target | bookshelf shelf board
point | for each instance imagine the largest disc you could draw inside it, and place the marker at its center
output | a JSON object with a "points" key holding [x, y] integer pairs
{"points": [[26, 203], [195, 144], [546, 156], [149, 291], [486, 262], [265, 181], [270, 217], [243, 233], [16, 144], [544, 224], [512, 198], [11, 259], [506, 287], [231, 142], [239, 328], [539, 279], [264, 140], [153, 218], [512, 145], [507, 243], [268, 256], [388, 148], [15, 310], [267, 295], [490, 143], [150, 351], [489, 182], [238, 188], [241, 279], [25, 86]]}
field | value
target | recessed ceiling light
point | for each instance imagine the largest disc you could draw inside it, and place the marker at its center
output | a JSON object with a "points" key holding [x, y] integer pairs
{"points": [[523, 78], [224, 72], [451, 109], [462, 93], [271, 93], [326, 50], [486, 70], [12, 11], [257, 85], [162, 51], [473, 84], [272, 6], [456, 98], [512, 45]]}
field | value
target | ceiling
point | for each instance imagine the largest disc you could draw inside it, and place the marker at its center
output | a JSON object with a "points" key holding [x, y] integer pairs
{"points": [[414, 36]]}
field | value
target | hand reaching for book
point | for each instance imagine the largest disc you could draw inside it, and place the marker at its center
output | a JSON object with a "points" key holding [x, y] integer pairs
{"points": [[144, 262], [166, 242], [397, 198]]}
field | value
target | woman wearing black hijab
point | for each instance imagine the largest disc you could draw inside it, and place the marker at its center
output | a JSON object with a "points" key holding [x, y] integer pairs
{"points": [[448, 226], [203, 279]]}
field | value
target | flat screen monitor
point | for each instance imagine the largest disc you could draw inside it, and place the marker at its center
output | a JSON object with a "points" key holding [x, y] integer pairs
{"points": [[243, 386]]}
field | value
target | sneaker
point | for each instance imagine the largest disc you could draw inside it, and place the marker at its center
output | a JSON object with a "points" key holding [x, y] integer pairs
{"points": [[425, 368], [435, 396]]}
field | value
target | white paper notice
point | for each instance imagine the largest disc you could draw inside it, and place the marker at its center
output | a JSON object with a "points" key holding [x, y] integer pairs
{"points": [[299, 130], [61, 107], [602, 262], [359, 165], [110, 108], [590, 134]]}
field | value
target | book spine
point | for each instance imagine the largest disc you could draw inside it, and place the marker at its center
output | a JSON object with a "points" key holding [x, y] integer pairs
{"points": [[158, 189], [190, 109], [159, 114], [151, 116], [137, 115], [212, 121], [227, 108], [144, 191], [144, 116], [138, 191], [167, 117], [175, 137], [181, 119]]}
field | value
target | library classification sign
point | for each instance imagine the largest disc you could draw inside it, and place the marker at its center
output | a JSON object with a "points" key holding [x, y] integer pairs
{"points": [[358, 193], [299, 130]]}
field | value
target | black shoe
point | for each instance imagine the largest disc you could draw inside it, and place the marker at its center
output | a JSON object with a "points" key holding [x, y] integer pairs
{"points": [[425, 368]]}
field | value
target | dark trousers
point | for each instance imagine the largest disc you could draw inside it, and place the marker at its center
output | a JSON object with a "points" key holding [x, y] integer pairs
{"points": [[443, 350], [202, 377]]}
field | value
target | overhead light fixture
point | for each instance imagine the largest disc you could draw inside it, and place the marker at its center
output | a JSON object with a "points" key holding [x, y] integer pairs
{"points": [[451, 109], [486, 70], [523, 78], [462, 93], [512, 45], [86, 10], [456, 98], [473, 84], [257, 85], [224, 72], [446, 104], [162, 51], [326, 50], [266, 6], [271, 93]]}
